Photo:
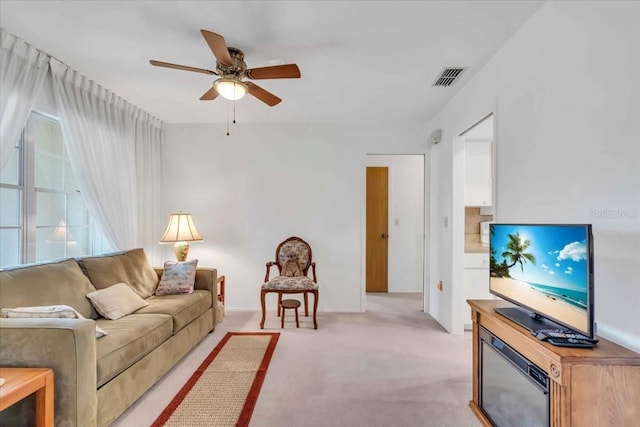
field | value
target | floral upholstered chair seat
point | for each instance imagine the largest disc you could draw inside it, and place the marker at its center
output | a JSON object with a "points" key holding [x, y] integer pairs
{"points": [[290, 283], [293, 260]]}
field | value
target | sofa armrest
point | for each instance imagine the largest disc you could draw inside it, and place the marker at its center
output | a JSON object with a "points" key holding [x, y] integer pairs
{"points": [[206, 280], [68, 346]]}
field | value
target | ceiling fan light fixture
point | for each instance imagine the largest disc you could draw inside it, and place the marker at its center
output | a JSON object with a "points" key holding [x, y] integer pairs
{"points": [[231, 89]]}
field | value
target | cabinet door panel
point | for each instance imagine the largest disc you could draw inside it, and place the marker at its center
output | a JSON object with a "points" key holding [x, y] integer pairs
{"points": [[476, 286], [478, 174]]}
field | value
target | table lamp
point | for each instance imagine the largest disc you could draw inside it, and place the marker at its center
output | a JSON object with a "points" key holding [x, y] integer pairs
{"points": [[181, 231]]}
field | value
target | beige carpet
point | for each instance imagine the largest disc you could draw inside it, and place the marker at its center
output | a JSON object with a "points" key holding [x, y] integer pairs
{"points": [[224, 389], [393, 365]]}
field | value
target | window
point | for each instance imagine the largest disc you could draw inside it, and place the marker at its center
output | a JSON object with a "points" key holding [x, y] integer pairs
{"points": [[42, 213]]}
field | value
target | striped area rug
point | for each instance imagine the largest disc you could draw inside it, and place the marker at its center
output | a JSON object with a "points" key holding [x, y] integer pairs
{"points": [[223, 391]]}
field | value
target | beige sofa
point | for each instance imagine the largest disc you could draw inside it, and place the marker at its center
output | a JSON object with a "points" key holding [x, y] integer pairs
{"points": [[97, 379]]}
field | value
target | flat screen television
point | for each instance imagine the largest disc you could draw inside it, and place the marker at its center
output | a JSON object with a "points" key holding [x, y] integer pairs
{"points": [[546, 270]]}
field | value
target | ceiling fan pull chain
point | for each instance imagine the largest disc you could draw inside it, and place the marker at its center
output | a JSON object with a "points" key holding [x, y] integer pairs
{"points": [[234, 111], [227, 122]]}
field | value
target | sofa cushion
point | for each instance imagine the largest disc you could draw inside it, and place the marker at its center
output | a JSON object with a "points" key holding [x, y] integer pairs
{"points": [[129, 339], [184, 308], [116, 301], [130, 267], [177, 278], [51, 283]]}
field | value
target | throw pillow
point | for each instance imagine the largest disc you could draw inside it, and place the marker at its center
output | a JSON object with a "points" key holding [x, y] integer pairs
{"points": [[177, 278], [40, 312], [48, 311], [291, 268], [116, 301]]}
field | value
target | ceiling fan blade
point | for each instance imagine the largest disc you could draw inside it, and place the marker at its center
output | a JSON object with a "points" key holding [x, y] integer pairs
{"points": [[218, 47], [180, 67], [263, 95], [286, 71], [210, 95]]}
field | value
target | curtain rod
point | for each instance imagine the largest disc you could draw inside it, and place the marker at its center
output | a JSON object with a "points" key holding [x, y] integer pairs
{"points": [[62, 63]]}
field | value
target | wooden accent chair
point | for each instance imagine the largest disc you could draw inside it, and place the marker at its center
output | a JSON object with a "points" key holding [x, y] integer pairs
{"points": [[293, 259]]}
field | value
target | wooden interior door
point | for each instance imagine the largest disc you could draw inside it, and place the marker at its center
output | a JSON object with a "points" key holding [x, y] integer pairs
{"points": [[377, 232]]}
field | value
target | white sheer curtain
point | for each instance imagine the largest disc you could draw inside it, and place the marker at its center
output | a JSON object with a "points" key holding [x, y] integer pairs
{"points": [[22, 71], [114, 148], [149, 137]]}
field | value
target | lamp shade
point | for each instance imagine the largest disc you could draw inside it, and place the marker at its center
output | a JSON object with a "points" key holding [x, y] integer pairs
{"points": [[180, 229], [230, 88], [60, 234]]}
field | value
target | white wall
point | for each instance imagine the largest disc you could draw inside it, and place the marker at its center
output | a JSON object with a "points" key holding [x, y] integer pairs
{"points": [[406, 220], [264, 183], [568, 101]]}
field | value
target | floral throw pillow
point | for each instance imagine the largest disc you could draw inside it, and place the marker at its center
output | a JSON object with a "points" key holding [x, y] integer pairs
{"points": [[177, 278]]}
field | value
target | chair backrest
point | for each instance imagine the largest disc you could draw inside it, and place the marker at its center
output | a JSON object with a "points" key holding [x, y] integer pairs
{"points": [[294, 248]]}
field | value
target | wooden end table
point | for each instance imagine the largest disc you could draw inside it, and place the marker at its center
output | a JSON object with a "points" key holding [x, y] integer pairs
{"points": [[22, 382], [220, 282]]}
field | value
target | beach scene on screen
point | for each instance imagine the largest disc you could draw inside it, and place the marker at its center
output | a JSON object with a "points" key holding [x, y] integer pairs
{"points": [[544, 268]]}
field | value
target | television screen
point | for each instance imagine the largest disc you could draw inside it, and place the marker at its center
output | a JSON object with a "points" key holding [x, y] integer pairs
{"points": [[546, 269]]}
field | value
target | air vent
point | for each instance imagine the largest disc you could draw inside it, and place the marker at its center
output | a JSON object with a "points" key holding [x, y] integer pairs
{"points": [[448, 76]]}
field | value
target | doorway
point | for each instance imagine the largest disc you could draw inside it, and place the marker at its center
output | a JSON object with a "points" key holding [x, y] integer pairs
{"points": [[473, 201], [401, 226]]}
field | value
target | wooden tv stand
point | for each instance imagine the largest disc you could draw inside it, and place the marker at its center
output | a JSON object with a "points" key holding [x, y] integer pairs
{"points": [[589, 387]]}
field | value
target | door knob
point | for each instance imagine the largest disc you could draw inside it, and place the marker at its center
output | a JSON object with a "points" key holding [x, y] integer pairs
{"points": [[384, 236]]}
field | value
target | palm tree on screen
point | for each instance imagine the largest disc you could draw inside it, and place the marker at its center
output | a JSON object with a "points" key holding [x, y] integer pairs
{"points": [[515, 252]]}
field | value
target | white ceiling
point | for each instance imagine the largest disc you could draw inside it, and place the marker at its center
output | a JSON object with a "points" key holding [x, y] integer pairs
{"points": [[364, 61]]}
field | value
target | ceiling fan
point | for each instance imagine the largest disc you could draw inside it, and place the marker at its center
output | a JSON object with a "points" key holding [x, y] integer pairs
{"points": [[232, 72]]}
